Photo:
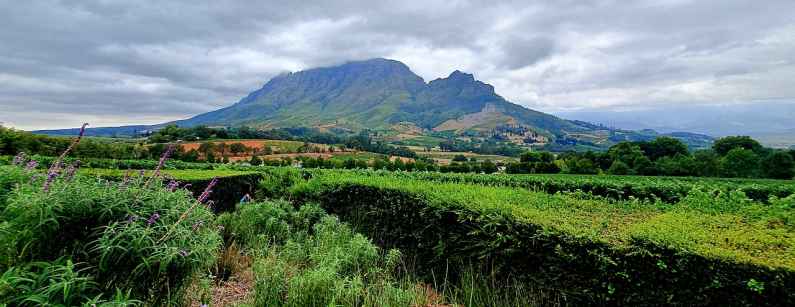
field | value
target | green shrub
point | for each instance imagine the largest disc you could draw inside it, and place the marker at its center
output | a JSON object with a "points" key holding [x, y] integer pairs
{"points": [[304, 257], [703, 250], [9, 178], [228, 191], [666, 189], [145, 240]]}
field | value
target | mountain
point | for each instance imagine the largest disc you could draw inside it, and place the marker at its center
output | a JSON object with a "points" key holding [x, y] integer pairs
{"points": [[383, 94], [770, 122], [377, 94]]}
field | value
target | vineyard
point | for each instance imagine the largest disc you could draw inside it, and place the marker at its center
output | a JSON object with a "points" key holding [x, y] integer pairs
{"points": [[314, 237]]}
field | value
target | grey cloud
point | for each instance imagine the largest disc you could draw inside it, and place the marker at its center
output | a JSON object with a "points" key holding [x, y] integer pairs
{"points": [[520, 52], [152, 60]]}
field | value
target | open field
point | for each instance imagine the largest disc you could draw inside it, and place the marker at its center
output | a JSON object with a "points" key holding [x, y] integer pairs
{"points": [[276, 145]]}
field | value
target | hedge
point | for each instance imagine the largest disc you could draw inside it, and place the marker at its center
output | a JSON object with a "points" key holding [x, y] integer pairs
{"points": [[591, 251], [666, 189], [127, 164]]}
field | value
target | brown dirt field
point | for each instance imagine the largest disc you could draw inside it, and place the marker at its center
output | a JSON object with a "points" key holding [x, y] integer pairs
{"points": [[290, 155], [259, 144]]}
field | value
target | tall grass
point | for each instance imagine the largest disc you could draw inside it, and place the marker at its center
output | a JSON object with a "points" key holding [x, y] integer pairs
{"points": [[89, 240], [304, 257]]}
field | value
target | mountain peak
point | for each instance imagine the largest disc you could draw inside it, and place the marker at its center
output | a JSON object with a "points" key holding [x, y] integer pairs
{"points": [[460, 75]]}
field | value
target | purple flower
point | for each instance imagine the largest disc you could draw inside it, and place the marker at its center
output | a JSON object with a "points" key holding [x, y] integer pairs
{"points": [[50, 178], [19, 159], [183, 253], [58, 163], [172, 185], [152, 219], [72, 169], [209, 189], [204, 305], [141, 173], [131, 219], [32, 164], [160, 164]]}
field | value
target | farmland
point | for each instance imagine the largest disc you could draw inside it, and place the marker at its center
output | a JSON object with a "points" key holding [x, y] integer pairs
{"points": [[377, 238]]}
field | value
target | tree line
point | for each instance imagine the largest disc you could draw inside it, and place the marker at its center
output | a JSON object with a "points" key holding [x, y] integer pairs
{"points": [[360, 141], [732, 156]]}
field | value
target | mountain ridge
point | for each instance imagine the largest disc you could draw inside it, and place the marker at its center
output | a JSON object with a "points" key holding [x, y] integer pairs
{"points": [[373, 93], [378, 94]]}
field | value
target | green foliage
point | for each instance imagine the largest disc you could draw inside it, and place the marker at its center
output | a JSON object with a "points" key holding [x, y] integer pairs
{"points": [[85, 239], [619, 168], [45, 161], [779, 165], [666, 189], [724, 237], [739, 162], [663, 147], [304, 257], [706, 163], [625, 152], [724, 145], [460, 158]]}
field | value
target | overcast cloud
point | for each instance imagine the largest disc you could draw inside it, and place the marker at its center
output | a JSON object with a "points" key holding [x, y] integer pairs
{"points": [[143, 62]]}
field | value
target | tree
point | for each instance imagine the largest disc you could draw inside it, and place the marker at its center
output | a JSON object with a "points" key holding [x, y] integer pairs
{"points": [[221, 147], [625, 152], [488, 167], [663, 147], [255, 161], [778, 165], [530, 156], [723, 145], [207, 148], [706, 163], [191, 156], [581, 166], [739, 162], [460, 158], [619, 168], [644, 166], [678, 165], [237, 148]]}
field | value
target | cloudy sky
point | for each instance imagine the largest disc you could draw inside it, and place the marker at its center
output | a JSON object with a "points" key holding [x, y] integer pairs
{"points": [[135, 62]]}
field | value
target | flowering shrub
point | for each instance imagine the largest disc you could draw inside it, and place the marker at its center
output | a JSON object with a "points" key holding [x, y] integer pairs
{"points": [[131, 242]]}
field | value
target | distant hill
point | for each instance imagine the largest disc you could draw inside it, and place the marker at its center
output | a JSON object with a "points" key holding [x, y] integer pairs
{"points": [[380, 94]]}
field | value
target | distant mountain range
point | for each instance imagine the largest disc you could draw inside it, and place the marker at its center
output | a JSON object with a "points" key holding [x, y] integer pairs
{"points": [[383, 94], [770, 122]]}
